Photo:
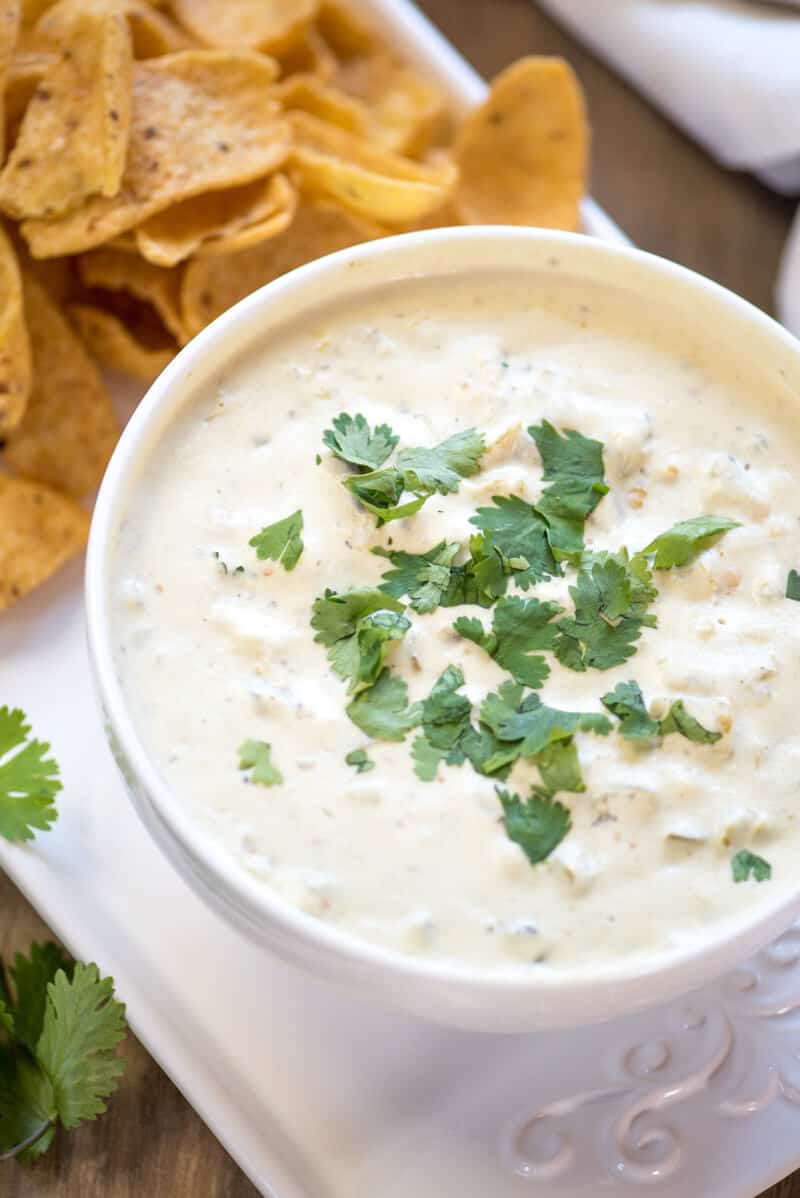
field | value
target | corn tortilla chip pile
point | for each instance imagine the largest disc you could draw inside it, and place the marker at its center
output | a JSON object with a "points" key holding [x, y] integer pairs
{"points": [[161, 159]]}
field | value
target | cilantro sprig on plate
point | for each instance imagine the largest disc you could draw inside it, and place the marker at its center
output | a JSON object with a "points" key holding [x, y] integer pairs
{"points": [[29, 779]]}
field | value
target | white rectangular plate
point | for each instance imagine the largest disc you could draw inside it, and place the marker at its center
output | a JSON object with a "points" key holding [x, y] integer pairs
{"points": [[314, 1095]]}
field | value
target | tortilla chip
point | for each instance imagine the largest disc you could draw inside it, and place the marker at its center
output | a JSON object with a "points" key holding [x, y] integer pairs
{"points": [[29, 63], [74, 134], [523, 153], [344, 32], [207, 223], [211, 285], [306, 93], [202, 120], [332, 164], [116, 271], [69, 429], [113, 343], [9, 31], [408, 113], [310, 56], [15, 356], [32, 10], [273, 26], [152, 32], [40, 529]]}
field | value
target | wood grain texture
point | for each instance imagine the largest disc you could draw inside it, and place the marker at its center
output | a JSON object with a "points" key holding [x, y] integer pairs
{"points": [[670, 199]]}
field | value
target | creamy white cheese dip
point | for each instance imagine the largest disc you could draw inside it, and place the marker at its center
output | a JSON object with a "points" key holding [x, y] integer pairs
{"points": [[209, 658]]}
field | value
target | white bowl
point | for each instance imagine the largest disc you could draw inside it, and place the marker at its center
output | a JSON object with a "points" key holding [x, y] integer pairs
{"points": [[447, 993]]}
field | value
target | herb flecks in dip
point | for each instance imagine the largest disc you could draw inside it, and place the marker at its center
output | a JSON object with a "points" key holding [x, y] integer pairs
{"points": [[398, 775]]}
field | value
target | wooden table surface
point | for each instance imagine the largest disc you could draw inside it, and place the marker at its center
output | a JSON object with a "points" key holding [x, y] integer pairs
{"points": [[670, 199]]}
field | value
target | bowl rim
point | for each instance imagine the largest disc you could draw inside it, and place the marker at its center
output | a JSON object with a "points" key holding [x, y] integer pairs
{"points": [[162, 401]]}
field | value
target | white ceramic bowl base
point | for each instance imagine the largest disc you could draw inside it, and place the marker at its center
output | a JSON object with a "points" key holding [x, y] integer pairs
{"points": [[452, 995]]}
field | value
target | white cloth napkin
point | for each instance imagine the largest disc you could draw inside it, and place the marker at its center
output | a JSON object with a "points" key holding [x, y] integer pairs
{"points": [[727, 71]]}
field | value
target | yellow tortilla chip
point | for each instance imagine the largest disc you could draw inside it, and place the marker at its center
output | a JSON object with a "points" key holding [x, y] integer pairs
{"points": [[118, 344], [69, 429], [306, 93], [74, 134], [152, 32], [32, 10], [40, 529], [116, 271], [211, 285], [273, 26], [310, 56], [15, 356], [330, 163], [346, 34], [202, 120], [408, 113], [29, 64], [9, 31], [208, 223], [523, 153]]}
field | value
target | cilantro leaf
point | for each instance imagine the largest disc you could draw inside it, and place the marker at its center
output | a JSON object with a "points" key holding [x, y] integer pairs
{"points": [[423, 577], [28, 780], [574, 465], [519, 532], [486, 754], [31, 976], [26, 1097], [281, 542], [745, 864], [611, 597], [357, 627], [359, 760], [83, 1024], [559, 768], [519, 628], [442, 467], [537, 825], [678, 719], [383, 712], [445, 714], [255, 755], [793, 585], [532, 723], [380, 492], [684, 540], [426, 758], [626, 702], [352, 440]]}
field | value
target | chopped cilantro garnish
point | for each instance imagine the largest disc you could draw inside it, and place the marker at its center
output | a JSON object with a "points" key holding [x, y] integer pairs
{"points": [[678, 719], [380, 492], [359, 760], [423, 577], [28, 779], [442, 467], [383, 712], [683, 541], [282, 541], [420, 472], [60, 1026], [611, 597], [537, 824], [559, 767], [486, 754], [445, 719], [352, 440], [225, 568], [793, 585], [745, 864], [357, 627], [531, 723], [520, 627], [516, 531], [626, 701], [256, 756], [573, 464]]}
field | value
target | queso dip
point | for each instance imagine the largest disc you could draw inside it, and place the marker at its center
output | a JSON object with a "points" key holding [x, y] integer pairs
{"points": [[641, 830]]}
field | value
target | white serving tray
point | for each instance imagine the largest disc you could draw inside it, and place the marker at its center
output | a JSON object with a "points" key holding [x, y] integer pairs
{"points": [[318, 1097]]}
